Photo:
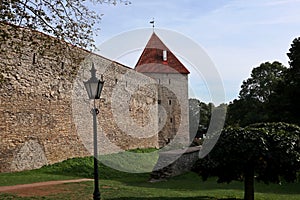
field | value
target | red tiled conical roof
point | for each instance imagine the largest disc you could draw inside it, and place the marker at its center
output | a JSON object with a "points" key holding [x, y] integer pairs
{"points": [[151, 60]]}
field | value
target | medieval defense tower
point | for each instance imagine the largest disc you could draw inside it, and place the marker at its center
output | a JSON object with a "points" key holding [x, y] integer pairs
{"points": [[159, 63]]}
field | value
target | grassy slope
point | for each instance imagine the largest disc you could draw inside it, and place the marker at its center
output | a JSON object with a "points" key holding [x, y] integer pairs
{"points": [[117, 185]]}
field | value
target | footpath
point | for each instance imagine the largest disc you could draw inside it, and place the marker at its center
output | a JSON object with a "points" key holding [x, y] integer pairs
{"points": [[39, 184]]}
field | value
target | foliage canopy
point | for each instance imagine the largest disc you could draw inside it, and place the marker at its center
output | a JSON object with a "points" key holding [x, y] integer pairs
{"points": [[256, 92], [268, 151], [71, 20], [271, 94]]}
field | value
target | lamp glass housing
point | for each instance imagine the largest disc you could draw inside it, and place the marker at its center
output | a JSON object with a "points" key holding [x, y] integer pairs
{"points": [[94, 88]]}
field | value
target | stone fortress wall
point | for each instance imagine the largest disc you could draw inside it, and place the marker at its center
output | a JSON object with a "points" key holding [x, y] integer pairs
{"points": [[173, 116], [44, 111]]}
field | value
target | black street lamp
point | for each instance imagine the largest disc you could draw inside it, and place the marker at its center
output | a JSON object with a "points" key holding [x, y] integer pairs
{"points": [[94, 87]]}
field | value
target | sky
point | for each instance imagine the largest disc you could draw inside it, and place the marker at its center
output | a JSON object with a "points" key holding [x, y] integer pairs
{"points": [[237, 35]]}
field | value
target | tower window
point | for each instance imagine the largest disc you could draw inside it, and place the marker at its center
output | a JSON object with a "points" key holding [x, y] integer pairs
{"points": [[170, 102], [169, 81], [165, 57], [159, 101], [171, 120]]}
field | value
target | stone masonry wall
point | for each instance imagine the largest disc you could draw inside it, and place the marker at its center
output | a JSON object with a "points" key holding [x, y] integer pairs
{"points": [[44, 111], [174, 162], [173, 109]]}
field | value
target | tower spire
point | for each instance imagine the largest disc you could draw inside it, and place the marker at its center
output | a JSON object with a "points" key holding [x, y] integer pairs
{"points": [[153, 23], [151, 60]]}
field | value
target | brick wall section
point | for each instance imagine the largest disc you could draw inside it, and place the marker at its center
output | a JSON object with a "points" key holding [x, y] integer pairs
{"points": [[38, 123]]}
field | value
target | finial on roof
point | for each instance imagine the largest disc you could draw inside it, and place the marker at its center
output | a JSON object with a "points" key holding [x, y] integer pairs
{"points": [[152, 22]]}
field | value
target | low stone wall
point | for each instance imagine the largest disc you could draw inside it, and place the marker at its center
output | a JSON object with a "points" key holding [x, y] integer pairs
{"points": [[174, 162]]}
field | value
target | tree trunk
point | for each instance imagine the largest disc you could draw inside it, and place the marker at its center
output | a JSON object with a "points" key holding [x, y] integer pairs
{"points": [[249, 184]]}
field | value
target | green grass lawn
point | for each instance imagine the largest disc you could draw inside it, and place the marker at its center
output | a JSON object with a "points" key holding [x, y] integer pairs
{"points": [[115, 185]]}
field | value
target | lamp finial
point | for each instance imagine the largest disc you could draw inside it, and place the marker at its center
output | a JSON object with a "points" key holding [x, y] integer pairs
{"points": [[93, 71]]}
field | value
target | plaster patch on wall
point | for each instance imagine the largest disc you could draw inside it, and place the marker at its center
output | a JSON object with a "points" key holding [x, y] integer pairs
{"points": [[30, 156]]}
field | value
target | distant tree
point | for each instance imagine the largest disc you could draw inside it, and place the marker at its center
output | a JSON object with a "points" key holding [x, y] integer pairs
{"points": [[217, 118], [194, 117], [199, 118], [290, 94], [284, 102], [263, 81], [255, 95], [242, 112], [205, 114], [294, 56], [200, 113], [270, 152], [73, 21], [216, 125]]}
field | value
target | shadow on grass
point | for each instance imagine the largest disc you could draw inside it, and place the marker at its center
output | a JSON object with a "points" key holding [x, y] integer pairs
{"points": [[172, 198], [188, 181], [191, 181]]}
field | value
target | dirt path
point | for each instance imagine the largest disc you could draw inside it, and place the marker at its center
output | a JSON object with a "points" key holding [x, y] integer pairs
{"points": [[38, 188]]}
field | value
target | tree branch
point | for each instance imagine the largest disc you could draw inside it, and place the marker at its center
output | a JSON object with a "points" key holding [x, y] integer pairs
{"points": [[40, 17]]}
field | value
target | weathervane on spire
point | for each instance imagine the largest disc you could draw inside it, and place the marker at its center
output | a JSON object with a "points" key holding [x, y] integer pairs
{"points": [[152, 22]]}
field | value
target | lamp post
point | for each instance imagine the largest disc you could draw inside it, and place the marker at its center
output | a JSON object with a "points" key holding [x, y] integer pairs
{"points": [[94, 87]]}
